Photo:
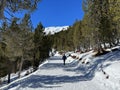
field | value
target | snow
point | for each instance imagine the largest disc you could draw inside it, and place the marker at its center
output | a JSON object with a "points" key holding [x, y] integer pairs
{"points": [[75, 75], [53, 30]]}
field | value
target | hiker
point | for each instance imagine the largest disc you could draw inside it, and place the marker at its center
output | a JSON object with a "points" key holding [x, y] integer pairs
{"points": [[64, 58]]}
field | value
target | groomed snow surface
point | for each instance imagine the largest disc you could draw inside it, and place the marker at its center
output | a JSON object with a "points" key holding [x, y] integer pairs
{"points": [[89, 73]]}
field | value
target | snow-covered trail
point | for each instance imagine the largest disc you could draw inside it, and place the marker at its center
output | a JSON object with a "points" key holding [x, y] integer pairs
{"points": [[53, 75], [50, 75]]}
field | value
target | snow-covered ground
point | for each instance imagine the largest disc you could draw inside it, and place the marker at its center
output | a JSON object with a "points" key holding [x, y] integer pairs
{"points": [[101, 73]]}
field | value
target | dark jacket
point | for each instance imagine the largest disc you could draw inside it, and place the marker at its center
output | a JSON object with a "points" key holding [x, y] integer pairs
{"points": [[64, 57]]}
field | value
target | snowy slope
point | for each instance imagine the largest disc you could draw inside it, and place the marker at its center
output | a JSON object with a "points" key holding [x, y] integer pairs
{"points": [[75, 75], [53, 30]]}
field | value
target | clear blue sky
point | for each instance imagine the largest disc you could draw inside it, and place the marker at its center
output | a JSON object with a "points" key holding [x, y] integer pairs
{"points": [[57, 12]]}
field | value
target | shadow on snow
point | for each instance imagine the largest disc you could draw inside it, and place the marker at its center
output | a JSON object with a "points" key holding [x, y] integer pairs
{"points": [[55, 58], [44, 81], [47, 81], [96, 65]]}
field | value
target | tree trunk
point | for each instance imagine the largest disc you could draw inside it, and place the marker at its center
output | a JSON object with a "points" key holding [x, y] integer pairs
{"points": [[34, 66], [9, 70], [9, 77], [20, 67]]}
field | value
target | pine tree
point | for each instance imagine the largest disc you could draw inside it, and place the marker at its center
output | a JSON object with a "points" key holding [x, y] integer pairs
{"points": [[77, 34], [26, 23], [38, 40], [98, 11], [12, 6]]}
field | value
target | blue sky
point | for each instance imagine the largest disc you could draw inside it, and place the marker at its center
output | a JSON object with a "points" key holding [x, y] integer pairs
{"points": [[57, 12]]}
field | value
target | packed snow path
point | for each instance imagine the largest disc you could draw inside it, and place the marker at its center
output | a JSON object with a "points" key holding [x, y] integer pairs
{"points": [[49, 75], [53, 75]]}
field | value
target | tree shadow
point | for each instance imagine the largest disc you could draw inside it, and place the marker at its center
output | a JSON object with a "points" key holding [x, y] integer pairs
{"points": [[55, 58], [97, 64], [52, 66], [46, 81]]}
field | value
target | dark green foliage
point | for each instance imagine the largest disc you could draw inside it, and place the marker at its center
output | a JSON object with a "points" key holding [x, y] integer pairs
{"points": [[26, 64], [16, 38], [63, 40], [17, 45], [12, 6], [3, 66], [21, 48], [38, 38], [26, 23], [3, 60], [42, 46], [99, 28], [100, 22]]}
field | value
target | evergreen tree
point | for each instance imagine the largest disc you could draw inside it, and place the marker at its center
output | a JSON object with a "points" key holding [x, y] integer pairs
{"points": [[38, 39], [12, 6], [77, 39], [98, 11], [18, 47], [26, 23]]}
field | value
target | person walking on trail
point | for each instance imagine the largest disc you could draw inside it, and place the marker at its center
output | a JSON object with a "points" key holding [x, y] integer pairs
{"points": [[64, 58]]}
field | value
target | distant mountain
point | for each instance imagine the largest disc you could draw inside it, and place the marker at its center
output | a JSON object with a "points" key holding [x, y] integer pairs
{"points": [[53, 30]]}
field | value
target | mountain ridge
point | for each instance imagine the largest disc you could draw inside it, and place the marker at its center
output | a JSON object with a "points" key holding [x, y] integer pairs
{"points": [[54, 29]]}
